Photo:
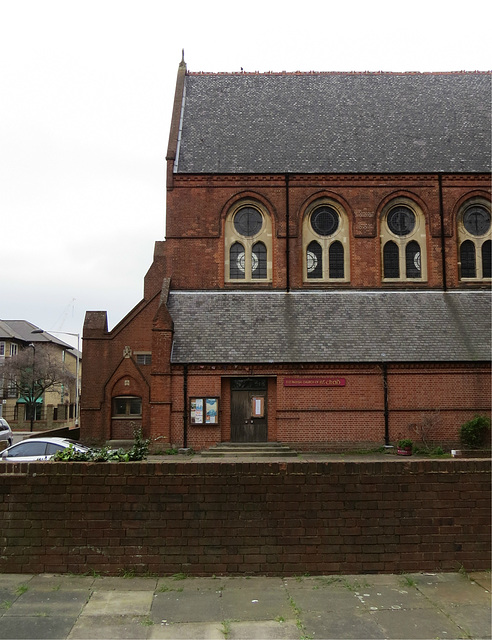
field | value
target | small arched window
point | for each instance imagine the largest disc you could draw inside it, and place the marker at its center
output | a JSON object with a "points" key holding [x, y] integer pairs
{"points": [[486, 270], [314, 260], [127, 406], [468, 260], [325, 241], [403, 241], [236, 261], [474, 230], [336, 260], [391, 260], [248, 243], [259, 261], [412, 259]]}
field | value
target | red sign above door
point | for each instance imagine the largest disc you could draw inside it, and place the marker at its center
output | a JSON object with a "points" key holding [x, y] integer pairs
{"points": [[317, 381]]}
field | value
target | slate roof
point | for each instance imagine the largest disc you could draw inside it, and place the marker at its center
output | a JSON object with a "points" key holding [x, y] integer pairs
{"points": [[21, 330], [263, 327], [335, 123]]}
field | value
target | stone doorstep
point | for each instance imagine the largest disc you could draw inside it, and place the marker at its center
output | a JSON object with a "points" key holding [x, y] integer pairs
{"points": [[242, 449]]}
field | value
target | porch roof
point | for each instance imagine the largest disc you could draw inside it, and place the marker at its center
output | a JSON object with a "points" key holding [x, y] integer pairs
{"points": [[320, 326]]}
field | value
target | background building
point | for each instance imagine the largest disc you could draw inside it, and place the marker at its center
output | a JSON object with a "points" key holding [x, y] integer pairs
{"points": [[325, 276], [55, 407]]}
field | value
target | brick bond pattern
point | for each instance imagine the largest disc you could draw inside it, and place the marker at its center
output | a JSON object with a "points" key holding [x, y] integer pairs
{"points": [[272, 518]]}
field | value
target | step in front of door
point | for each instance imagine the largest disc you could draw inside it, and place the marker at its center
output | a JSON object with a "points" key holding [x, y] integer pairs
{"points": [[241, 449]]}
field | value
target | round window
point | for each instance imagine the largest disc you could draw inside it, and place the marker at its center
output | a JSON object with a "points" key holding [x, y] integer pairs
{"points": [[476, 220], [248, 221], [401, 221], [324, 220]]}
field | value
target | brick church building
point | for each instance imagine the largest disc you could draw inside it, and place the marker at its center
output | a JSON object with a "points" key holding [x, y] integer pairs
{"points": [[325, 277]]}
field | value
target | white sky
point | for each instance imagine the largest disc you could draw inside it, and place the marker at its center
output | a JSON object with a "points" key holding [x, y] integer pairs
{"points": [[86, 89]]}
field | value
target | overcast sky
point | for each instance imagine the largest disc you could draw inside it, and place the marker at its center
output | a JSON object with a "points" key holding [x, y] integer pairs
{"points": [[86, 89]]}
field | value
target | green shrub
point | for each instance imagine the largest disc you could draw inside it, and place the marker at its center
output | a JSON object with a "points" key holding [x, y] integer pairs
{"points": [[138, 451], [474, 433], [405, 443]]}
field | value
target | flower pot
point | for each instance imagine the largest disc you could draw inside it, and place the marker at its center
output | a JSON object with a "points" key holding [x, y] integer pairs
{"points": [[404, 451]]}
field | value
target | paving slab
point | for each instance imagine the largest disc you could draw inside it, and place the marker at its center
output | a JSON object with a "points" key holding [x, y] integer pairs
{"points": [[49, 602], [451, 589], [420, 624], [135, 603], [11, 587], [58, 582], [483, 578], [102, 627], [340, 625], [265, 630], [255, 599], [115, 583], [28, 627], [187, 631], [190, 605]]}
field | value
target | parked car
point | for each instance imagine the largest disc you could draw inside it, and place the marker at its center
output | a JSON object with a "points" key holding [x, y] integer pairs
{"points": [[6, 432], [34, 449]]}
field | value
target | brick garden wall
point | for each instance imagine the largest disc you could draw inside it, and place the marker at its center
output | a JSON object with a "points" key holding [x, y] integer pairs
{"points": [[277, 518]]}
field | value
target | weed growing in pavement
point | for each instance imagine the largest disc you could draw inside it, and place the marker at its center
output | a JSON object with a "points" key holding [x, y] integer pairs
{"points": [[179, 576], [355, 585], [6, 604], [92, 573], [326, 581], [165, 589], [408, 581], [22, 589], [226, 628]]}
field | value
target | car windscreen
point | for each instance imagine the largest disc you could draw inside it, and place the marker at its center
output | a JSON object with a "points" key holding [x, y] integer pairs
{"points": [[28, 449]]}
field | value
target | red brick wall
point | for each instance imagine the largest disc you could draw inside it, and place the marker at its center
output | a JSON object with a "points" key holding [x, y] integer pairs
{"points": [[362, 197], [346, 417], [272, 518]]}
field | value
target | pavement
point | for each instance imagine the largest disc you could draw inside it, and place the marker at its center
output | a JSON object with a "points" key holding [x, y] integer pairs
{"points": [[409, 606]]}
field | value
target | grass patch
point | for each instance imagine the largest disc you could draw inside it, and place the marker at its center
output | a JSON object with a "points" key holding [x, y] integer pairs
{"points": [[179, 576]]}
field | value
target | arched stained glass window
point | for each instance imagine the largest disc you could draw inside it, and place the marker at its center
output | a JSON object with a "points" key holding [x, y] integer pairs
{"points": [[326, 242], [248, 243], [403, 241], [391, 260], [236, 262], [259, 261], [486, 269], [474, 233], [336, 262], [468, 260], [412, 260], [314, 260]]}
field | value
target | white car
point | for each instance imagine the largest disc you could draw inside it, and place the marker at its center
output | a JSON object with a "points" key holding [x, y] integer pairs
{"points": [[5, 432], [35, 449]]}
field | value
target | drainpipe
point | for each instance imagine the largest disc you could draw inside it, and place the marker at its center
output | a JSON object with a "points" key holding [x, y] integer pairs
{"points": [[443, 246], [287, 224], [185, 405], [384, 368]]}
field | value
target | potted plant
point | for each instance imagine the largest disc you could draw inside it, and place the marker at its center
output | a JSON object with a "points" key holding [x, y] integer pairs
{"points": [[405, 447]]}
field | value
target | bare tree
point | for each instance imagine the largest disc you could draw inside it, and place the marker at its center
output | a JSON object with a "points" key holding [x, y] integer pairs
{"points": [[33, 371]]}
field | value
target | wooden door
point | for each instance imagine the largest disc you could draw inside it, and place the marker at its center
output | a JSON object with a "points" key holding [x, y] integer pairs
{"points": [[249, 410]]}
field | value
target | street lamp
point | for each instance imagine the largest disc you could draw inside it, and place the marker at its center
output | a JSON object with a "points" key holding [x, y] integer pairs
{"points": [[77, 366], [33, 400]]}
